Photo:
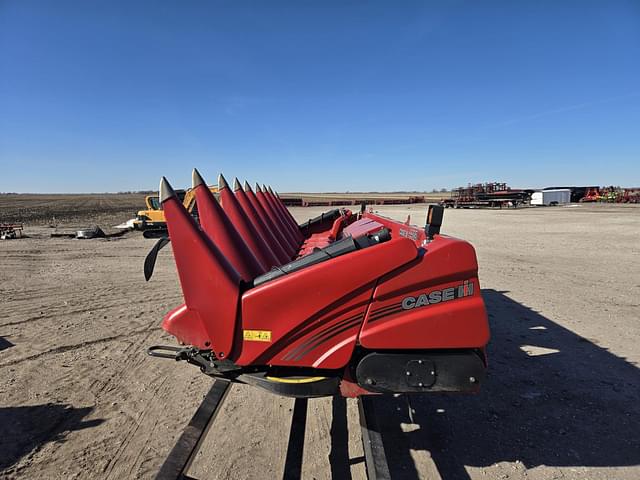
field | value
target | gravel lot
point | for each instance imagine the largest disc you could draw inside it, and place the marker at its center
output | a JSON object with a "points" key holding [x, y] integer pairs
{"points": [[79, 398]]}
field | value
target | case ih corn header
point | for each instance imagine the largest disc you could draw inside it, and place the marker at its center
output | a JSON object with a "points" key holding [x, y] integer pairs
{"points": [[348, 303]]}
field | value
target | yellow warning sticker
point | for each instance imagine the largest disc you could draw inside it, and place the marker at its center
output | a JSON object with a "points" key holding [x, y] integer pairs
{"points": [[257, 335]]}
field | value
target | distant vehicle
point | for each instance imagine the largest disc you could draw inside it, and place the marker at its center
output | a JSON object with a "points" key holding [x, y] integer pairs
{"points": [[560, 196], [153, 217]]}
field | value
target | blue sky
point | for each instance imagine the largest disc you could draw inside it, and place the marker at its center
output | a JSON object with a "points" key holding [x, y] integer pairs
{"points": [[318, 96]]}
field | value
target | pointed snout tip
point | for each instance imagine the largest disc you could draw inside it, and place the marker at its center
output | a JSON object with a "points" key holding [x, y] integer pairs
{"points": [[196, 178], [236, 184], [222, 182], [165, 191]]}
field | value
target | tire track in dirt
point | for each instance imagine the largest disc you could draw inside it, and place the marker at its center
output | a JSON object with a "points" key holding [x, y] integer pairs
{"points": [[63, 311], [131, 362], [124, 388], [110, 467], [66, 348], [113, 466]]}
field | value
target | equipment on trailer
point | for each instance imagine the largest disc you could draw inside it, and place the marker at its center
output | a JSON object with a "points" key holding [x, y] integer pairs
{"points": [[494, 194], [344, 303]]}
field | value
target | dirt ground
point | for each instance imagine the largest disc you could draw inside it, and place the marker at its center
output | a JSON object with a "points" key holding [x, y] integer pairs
{"points": [[79, 397]]}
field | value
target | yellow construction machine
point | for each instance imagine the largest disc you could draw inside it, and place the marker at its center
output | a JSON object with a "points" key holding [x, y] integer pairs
{"points": [[152, 218]]}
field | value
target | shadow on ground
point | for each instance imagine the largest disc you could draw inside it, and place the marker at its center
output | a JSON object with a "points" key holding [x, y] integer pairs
{"points": [[551, 398], [25, 429], [4, 343]]}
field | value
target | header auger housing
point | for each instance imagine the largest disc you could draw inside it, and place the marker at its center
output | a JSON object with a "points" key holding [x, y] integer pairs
{"points": [[343, 303]]}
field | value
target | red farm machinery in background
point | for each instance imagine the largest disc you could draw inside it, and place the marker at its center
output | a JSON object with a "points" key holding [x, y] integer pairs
{"points": [[611, 194], [629, 195], [345, 303], [592, 194]]}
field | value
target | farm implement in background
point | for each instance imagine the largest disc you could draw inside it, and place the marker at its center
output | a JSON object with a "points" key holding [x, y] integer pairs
{"points": [[9, 231], [612, 194], [596, 194], [487, 195]]}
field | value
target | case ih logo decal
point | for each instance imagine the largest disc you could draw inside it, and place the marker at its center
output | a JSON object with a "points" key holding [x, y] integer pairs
{"points": [[465, 289], [437, 296]]}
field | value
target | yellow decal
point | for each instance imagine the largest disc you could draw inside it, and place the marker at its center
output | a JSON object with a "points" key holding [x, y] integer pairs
{"points": [[257, 335]]}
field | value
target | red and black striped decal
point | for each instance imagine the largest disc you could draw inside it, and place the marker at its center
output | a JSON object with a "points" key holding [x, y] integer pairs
{"points": [[321, 337], [384, 312]]}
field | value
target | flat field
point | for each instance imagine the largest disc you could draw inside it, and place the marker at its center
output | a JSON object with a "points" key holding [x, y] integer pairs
{"points": [[70, 210], [79, 397]]}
